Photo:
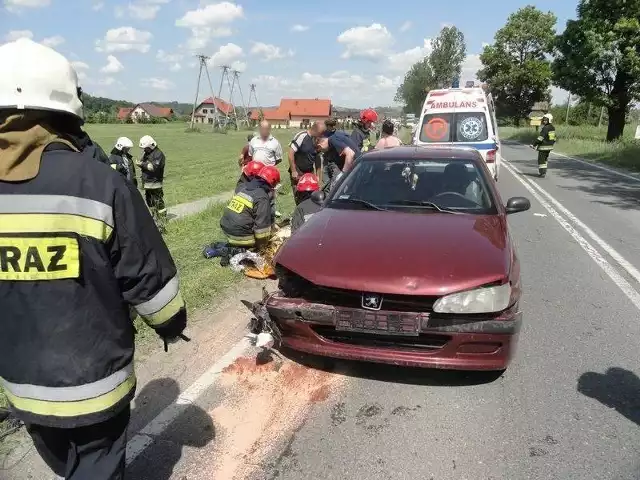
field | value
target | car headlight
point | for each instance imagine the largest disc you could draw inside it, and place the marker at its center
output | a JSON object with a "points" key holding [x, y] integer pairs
{"points": [[479, 300]]}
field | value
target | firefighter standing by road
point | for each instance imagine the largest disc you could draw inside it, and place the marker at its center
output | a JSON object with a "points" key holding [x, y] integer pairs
{"points": [[76, 250], [544, 143], [247, 220], [122, 161], [361, 134], [152, 166]]}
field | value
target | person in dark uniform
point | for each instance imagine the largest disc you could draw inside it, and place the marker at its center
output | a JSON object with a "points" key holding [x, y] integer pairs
{"points": [[343, 151], [303, 155], [249, 172], [152, 165], [311, 200], [544, 143], [77, 248], [361, 134], [122, 161], [247, 220]]}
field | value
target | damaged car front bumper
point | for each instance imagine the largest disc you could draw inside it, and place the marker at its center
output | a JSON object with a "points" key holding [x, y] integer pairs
{"points": [[420, 339]]}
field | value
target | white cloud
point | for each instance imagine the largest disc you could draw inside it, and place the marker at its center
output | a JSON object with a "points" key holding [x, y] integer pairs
{"points": [[140, 9], [227, 55], [113, 65], [208, 22], [270, 52], [53, 41], [370, 42], [97, 6], [176, 67], [299, 28], [80, 68], [402, 61], [470, 68], [406, 26], [14, 35], [106, 81], [166, 57], [124, 39], [157, 83], [17, 5]]}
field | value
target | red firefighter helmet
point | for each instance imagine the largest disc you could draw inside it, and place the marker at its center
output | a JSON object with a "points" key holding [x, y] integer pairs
{"points": [[270, 174], [308, 183], [252, 168], [369, 115]]}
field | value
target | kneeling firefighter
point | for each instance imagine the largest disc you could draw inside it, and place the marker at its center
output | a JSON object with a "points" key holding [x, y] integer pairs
{"points": [[247, 220], [544, 143], [122, 161], [249, 172], [77, 248], [311, 198]]}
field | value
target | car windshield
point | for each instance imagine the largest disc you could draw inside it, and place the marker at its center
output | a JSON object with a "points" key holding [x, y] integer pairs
{"points": [[454, 127], [424, 186]]}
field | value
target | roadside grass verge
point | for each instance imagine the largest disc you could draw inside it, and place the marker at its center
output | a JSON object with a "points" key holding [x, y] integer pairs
{"points": [[586, 142]]}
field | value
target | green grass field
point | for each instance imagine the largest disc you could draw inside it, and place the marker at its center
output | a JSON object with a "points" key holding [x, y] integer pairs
{"points": [[587, 142], [199, 164]]}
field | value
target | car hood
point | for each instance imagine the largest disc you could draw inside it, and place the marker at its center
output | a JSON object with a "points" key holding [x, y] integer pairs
{"points": [[399, 253]]}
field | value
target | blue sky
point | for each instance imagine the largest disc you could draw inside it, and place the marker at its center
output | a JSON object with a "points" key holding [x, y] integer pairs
{"points": [[355, 53]]}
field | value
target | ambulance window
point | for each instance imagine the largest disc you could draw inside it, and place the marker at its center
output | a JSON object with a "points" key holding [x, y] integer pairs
{"points": [[436, 128], [470, 127]]}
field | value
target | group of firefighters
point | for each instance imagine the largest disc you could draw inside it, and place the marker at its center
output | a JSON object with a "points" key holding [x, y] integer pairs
{"points": [[79, 248]]}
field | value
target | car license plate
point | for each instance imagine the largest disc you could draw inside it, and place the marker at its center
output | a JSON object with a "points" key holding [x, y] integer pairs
{"points": [[382, 323]]}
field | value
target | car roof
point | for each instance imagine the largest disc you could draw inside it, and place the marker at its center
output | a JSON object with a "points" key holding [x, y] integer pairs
{"points": [[417, 153]]}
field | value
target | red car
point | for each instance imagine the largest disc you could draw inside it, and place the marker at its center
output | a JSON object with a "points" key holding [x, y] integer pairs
{"points": [[409, 262]]}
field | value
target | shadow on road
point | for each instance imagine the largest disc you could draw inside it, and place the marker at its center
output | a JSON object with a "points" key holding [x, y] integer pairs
{"points": [[192, 428], [617, 388], [391, 373]]}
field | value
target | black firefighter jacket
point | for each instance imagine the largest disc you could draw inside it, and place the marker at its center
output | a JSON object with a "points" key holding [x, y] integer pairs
{"points": [[76, 251], [152, 166], [247, 217]]}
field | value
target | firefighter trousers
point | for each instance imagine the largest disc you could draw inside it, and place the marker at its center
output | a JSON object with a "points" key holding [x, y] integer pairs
{"points": [[543, 158], [94, 452], [155, 200]]}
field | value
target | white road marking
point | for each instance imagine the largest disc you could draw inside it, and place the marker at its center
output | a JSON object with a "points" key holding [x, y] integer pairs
{"points": [[539, 214], [612, 252], [595, 255], [155, 427]]}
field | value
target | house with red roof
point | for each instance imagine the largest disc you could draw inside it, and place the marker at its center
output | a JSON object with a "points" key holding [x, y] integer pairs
{"points": [[296, 112], [206, 111], [275, 116], [148, 111], [123, 113]]}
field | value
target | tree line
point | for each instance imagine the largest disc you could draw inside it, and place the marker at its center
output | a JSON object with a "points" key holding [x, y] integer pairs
{"points": [[596, 58]]}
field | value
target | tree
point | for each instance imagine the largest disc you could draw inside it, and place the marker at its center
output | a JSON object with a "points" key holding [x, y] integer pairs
{"points": [[598, 57], [438, 70], [516, 67]]}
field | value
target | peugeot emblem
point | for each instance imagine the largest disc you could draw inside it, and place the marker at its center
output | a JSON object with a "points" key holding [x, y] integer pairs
{"points": [[371, 301]]}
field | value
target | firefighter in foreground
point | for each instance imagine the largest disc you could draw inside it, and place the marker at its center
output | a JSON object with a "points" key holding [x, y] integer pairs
{"points": [[247, 220], [122, 161], [311, 198], [152, 166], [544, 143], [76, 250], [361, 134]]}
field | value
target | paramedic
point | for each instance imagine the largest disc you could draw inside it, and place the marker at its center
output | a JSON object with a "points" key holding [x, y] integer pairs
{"points": [[311, 198], [362, 132], [544, 143], [247, 220], [152, 166], [77, 251], [122, 161]]}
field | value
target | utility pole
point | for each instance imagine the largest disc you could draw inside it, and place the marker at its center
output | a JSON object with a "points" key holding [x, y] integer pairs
{"points": [[252, 91], [225, 70], [203, 64], [236, 75], [601, 115], [589, 113], [232, 84], [566, 118]]}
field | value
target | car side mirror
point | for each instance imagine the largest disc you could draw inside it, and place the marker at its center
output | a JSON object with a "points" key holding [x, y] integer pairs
{"points": [[517, 204]]}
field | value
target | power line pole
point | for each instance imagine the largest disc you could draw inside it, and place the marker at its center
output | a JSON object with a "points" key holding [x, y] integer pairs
{"points": [[566, 118], [203, 64], [232, 84], [216, 119], [236, 75], [252, 91], [225, 70]]}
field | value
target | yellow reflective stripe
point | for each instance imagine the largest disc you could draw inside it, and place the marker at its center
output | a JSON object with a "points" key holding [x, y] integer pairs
{"points": [[540, 138], [542, 165], [248, 240], [73, 408], [40, 258], [54, 223], [262, 232], [166, 313], [545, 147], [114, 166]]}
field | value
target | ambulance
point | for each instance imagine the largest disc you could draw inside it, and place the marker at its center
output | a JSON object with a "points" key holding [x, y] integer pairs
{"points": [[464, 117]]}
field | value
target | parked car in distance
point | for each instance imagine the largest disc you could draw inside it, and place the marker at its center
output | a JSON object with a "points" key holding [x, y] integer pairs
{"points": [[410, 262]]}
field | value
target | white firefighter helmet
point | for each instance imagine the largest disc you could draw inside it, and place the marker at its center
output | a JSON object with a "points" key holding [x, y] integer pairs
{"points": [[147, 142], [548, 116], [37, 77], [123, 142]]}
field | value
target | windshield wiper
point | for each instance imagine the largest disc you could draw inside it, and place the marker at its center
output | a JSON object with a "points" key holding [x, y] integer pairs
{"points": [[358, 201], [426, 204]]}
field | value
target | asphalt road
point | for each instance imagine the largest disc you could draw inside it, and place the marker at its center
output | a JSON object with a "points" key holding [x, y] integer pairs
{"points": [[567, 408]]}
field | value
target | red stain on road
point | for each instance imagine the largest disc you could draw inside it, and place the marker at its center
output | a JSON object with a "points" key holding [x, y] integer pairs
{"points": [[320, 394]]}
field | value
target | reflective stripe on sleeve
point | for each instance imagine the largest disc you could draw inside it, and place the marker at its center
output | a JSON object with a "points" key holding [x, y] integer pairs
{"points": [[58, 204], [71, 401], [262, 232], [164, 305], [243, 241], [54, 223]]}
